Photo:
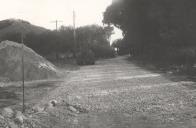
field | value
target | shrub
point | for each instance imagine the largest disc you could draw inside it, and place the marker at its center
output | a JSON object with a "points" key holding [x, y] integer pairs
{"points": [[103, 51], [85, 57]]}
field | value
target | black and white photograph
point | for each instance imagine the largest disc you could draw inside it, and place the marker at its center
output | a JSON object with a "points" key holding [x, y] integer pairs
{"points": [[98, 64]]}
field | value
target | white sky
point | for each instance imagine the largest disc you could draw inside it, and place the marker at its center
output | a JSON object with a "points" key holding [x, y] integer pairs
{"points": [[43, 12]]}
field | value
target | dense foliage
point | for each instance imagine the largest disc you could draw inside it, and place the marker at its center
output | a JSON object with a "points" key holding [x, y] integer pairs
{"points": [[60, 44], [157, 29], [85, 57], [95, 38], [121, 46]]}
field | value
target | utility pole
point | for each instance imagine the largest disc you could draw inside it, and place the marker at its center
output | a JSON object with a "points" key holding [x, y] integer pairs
{"points": [[56, 23], [23, 96], [74, 22], [74, 31]]}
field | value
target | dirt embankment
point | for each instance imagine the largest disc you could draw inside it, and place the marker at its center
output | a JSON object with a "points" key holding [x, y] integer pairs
{"points": [[35, 66]]}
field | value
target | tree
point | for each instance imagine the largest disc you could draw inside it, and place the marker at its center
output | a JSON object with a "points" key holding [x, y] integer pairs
{"points": [[155, 28], [121, 46], [96, 38]]}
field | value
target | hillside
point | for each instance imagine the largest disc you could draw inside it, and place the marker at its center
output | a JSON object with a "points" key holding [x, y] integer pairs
{"points": [[9, 26]]}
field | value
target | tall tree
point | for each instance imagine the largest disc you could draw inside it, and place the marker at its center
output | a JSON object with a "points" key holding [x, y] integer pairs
{"points": [[154, 27]]}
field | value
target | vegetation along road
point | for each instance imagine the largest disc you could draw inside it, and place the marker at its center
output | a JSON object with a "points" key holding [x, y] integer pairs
{"points": [[116, 93]]}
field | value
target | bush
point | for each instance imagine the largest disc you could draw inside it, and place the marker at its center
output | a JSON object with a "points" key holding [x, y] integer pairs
{"points": [[85, 57], [103, 51]]}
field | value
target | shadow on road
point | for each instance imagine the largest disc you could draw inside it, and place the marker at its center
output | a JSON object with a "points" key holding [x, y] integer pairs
{"points": [[172, 72]]}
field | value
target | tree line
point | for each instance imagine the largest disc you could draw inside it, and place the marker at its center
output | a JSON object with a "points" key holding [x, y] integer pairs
{"points": [[92, 39], [158, 30]]}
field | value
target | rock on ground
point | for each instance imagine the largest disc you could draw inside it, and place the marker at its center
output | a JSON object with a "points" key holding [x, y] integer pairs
{"points": [[7, 112]]}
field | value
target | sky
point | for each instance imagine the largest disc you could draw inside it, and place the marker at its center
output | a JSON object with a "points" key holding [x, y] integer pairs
{"points": [[44, 12]]}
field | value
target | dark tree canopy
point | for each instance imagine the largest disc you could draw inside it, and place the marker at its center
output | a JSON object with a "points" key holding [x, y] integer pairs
{"points": [[156, 28]]}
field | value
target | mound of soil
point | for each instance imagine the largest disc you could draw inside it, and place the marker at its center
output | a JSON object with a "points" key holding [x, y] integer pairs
{"points": [[35, 66]]}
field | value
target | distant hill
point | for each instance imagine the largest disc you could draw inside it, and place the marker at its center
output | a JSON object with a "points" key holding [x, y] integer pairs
{"points": [[9, 26]]}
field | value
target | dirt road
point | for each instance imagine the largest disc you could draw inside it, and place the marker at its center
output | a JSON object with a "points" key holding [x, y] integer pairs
{"points": [[116, 93]]}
